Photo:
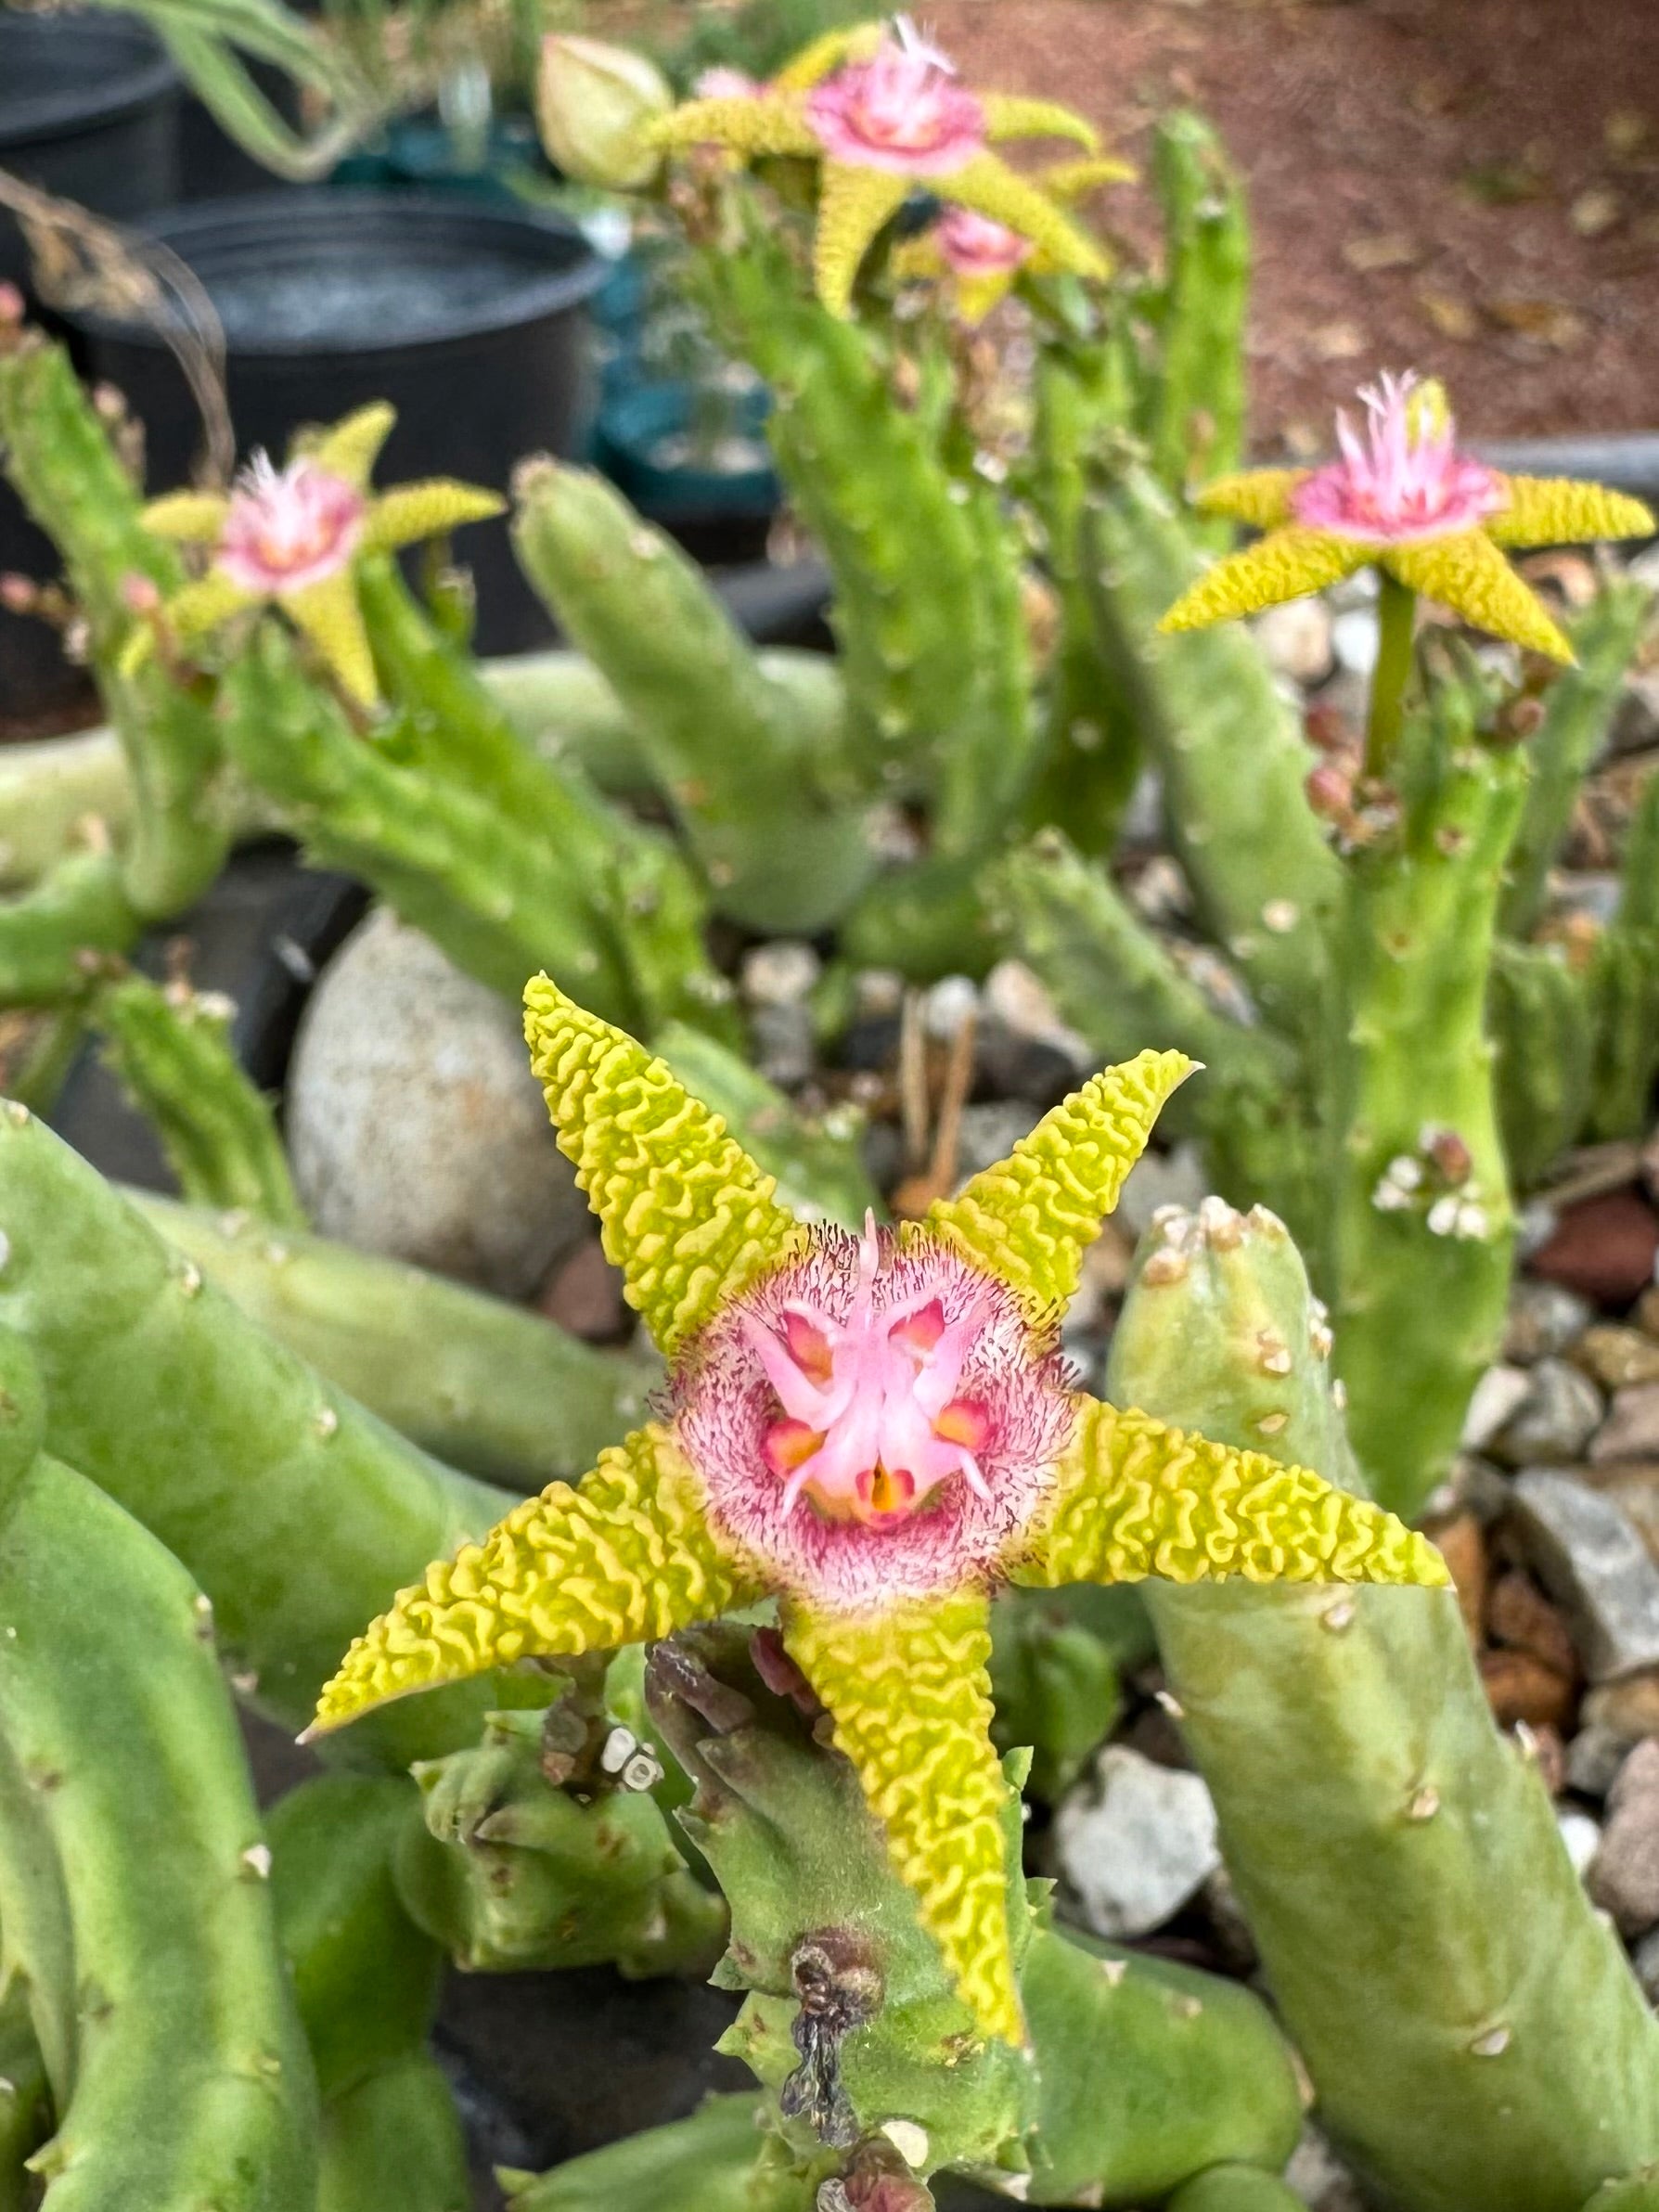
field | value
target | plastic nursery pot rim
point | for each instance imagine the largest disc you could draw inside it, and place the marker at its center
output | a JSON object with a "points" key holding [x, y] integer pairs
{"points": [[111, 70], [294, 226]]}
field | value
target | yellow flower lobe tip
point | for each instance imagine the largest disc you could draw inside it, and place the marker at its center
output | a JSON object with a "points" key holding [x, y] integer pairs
{"points": [[684, 1211], [1030, 1217], [1133, 1498], [626, 1557], [908, 1694]]}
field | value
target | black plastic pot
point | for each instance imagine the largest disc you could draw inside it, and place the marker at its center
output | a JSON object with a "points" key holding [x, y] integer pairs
{"points": [[89, 112], [469, 318]]}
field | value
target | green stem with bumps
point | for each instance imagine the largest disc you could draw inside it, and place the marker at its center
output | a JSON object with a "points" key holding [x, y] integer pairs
{"points": [[1475, 2038], [1577, 709], [510, 1873], [1233, 761], [299, 1514], [1195, 421], [1140, 2073], [55, 938], [171, 1051], [779, 851], [1421, 1285], [136, 1911], [496, 1390]]}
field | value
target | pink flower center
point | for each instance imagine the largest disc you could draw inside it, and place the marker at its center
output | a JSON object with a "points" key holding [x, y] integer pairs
{"points": [[1403, 477], [874, 1417], [902, 111], [289, 528], [871, 1423], [973, 245]]}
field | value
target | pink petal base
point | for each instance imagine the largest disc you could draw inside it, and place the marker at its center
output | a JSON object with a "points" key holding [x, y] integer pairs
{"points": [[874, 1421], [902, 111], [289, 528], [1403, 479], [973, 245]]}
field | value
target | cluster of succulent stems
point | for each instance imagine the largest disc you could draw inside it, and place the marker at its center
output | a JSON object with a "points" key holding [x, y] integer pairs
{"points": [[855, 1483]]}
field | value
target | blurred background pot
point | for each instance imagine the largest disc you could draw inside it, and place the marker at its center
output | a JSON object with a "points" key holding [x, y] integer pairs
{"points": [[88, 112], [469, 317]]}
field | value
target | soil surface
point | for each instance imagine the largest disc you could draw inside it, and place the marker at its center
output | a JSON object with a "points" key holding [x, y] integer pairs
{"points": [[1471, 189]]}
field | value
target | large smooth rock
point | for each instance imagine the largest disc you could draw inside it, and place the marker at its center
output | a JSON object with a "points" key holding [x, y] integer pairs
{"points": [[415, 1126]]}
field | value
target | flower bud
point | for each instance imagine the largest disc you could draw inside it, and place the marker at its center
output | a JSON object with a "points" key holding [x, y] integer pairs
{"points": [[593, 102]]}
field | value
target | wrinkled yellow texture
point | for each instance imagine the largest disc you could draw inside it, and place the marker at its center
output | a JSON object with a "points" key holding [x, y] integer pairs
{"points": [[1259, 497], [1009, 115], [428, 508], [684, 1212], [1029, 1218], [349, 448], [1133, 1498], [909, 1699], [1285, 565], [771, 122], [852, 206], [1466, 572], [625, 1558], [1552, 510]]}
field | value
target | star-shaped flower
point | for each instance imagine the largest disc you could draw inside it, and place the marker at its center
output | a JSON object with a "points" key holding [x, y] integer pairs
{"points": [[981, 258], [1403, 496], [876, 1430], [290, 536], [882, 112]]}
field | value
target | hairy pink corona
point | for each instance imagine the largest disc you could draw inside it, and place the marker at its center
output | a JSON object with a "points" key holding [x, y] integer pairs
{"points": [[1404, 479], [902, 111], [290, 527], [874, 1419], [973, 245]]}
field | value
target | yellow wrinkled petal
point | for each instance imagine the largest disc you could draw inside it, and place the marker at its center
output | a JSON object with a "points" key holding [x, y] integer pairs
{"points": [[976, 296], [191, 518], [853, 205], [351, 449], [203, 606], [1466, 574], [1008, 115], [1554, 510], [1133, 1498], [1068, 181], [411, 511], [990, 187], [626, 1557], [1259, 497], [775, 123], [1030, 1217], [684, 1212], [909, 1700], [1287, 564], [329, 614]]}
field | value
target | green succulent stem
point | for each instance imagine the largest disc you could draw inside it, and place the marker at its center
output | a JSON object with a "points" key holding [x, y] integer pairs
{"points": [[297, 1513], [132, 1865], [1423, 1279], [1396, 631], [496, 1390], [1475, 2038], [172, 1054]]}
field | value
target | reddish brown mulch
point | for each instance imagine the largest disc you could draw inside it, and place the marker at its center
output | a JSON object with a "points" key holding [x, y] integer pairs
{"points": [[1501, 158]]}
